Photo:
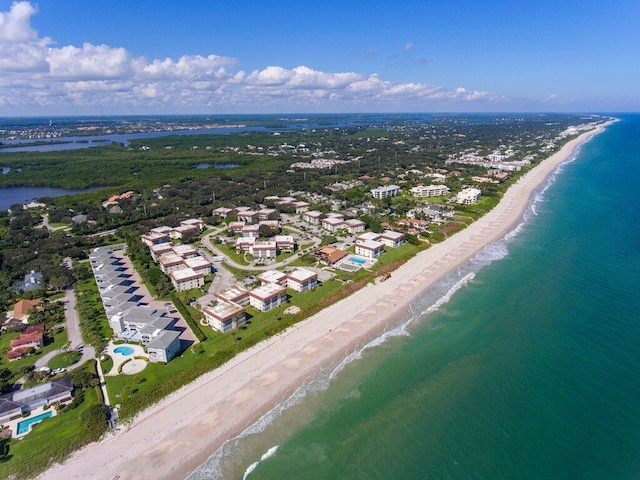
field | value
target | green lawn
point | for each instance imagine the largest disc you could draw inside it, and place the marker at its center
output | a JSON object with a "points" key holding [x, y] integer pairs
{"points": [[65, 359], [231, 253]]}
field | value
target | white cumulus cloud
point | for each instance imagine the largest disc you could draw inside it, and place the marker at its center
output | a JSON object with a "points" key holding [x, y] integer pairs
{"points": [[36, 72]]}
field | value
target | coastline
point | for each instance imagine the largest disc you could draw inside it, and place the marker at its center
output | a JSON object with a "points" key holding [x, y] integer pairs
{"points": [[173, 437]]}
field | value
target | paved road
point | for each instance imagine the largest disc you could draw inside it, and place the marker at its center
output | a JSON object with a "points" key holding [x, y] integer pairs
{"points": [[74, 334]]}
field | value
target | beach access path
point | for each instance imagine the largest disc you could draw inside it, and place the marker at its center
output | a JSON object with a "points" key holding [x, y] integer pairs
{"points": [[175, 436]]}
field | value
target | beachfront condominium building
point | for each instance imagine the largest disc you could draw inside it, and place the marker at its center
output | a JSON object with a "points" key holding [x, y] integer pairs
{"points": [[234, 294], [370, 249], [302, 280], [267, 296], [199, 265], [430, 190], [186, 279], [468, 196], [385, 191], [273, 276], [164, 346], [392, 239], [225, 316]]}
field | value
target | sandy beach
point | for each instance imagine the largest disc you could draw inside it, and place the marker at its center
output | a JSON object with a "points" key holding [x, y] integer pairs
{"points": [[175, 436]]}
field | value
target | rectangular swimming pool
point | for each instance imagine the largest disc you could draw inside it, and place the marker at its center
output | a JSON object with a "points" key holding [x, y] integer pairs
{"points": [[357, 260], [23, 426]]}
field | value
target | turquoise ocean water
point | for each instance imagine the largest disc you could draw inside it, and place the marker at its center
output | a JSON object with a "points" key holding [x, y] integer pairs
{"points": [[525, 364]]}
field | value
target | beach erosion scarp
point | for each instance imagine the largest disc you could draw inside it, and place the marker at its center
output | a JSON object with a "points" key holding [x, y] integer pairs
{"points": [[173, 437]]}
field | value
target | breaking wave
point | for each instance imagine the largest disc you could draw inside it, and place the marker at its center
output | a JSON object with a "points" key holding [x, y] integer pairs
{"points": [[253, 466]]}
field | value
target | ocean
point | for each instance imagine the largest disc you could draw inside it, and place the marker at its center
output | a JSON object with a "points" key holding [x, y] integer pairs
{"points": [[525, 364]]}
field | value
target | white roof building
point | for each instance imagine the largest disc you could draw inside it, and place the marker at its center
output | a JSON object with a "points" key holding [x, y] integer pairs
{"points": [[267, 296], [430, 190], [370, 249], [385, 191], [468, 196], [186, 279], [302, 280], [273, 276]]}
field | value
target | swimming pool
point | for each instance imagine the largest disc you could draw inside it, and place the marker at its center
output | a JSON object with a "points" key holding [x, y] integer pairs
{"points": [[23, 426], [126, 351], [357, 260]]}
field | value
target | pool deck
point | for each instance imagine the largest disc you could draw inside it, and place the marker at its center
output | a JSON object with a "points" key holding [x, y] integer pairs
{"points": [[13, 424], [119, 359]]}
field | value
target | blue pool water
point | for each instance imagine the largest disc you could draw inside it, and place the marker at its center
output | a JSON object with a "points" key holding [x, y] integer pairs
{"points": [[357, 260], [124, 351], [23, 427]]}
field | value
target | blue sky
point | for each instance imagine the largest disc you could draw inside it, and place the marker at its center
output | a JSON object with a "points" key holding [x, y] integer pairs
{"points": [[70, 56]]}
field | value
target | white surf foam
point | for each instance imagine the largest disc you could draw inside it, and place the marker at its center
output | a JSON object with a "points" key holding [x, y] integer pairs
{"points": [[253, 466]]}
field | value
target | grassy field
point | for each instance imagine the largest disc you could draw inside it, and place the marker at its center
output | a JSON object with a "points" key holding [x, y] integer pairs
{"points": [[65, 359]]}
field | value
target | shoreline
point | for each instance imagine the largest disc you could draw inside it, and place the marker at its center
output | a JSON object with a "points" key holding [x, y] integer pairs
{"points": [[175, 436]]}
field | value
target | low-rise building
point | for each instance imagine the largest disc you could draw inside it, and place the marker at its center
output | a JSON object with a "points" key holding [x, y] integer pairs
{"points": [[331, 224], [370, 249], [385, 191], [234, 294], [354, 225], [267, 296], [264, 250], [159, 249], [244, 244], [301, 207], [248, 216], [225, 316], [153, 238], [302, 280], [221, 212], [186, 279], [266, 213], [22, 307], [164, 347], [392, 239], [251, 231], [185, 251], [330, 255], [199, 265], [430, 190], [468, 196], [312, 217], [31, 338], [368, 236], [170, 262], [196, 222], [236, 227], [273, 276], [285, 243], [182, 230]]}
